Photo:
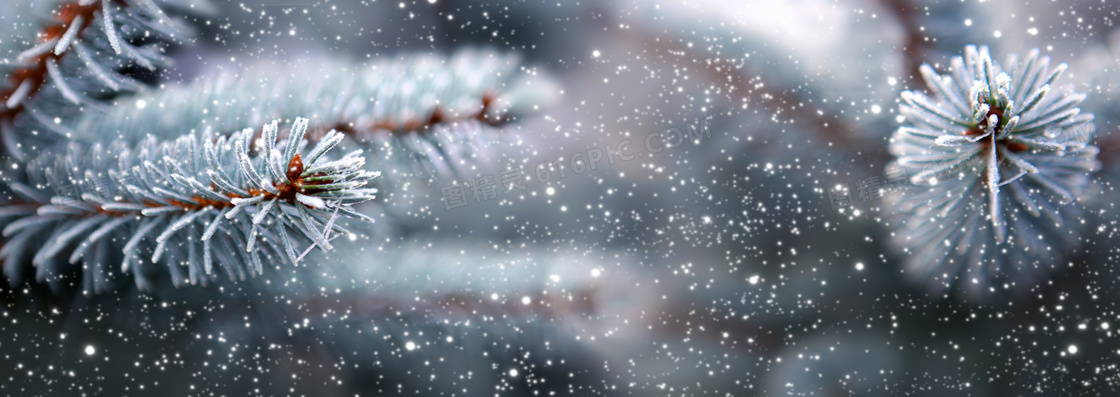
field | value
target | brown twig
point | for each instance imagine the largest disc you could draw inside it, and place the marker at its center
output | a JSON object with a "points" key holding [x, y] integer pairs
{"points": [[437, 116], [916, 46], [296, 183], [745, 83]]}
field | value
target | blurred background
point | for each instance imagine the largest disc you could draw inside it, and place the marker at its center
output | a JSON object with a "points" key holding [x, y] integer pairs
{"points": [[710, 264]]}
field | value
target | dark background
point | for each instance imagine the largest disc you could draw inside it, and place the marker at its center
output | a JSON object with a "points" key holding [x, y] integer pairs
{"points": [[717, 267]]}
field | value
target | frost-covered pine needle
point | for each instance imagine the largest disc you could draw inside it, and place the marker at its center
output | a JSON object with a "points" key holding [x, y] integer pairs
{"points": [[188, 205], [1001, 150]]}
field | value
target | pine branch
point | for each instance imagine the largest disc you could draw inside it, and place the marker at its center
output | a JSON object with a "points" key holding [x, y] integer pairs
{"points": [[76, 66], [1003, 150], [184, 204], [426, 107]]}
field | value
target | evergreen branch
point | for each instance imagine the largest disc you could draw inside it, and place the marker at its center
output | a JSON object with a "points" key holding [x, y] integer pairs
{"points": [[1003, 150], [405, 105], [77, 64], [184, 204]]}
